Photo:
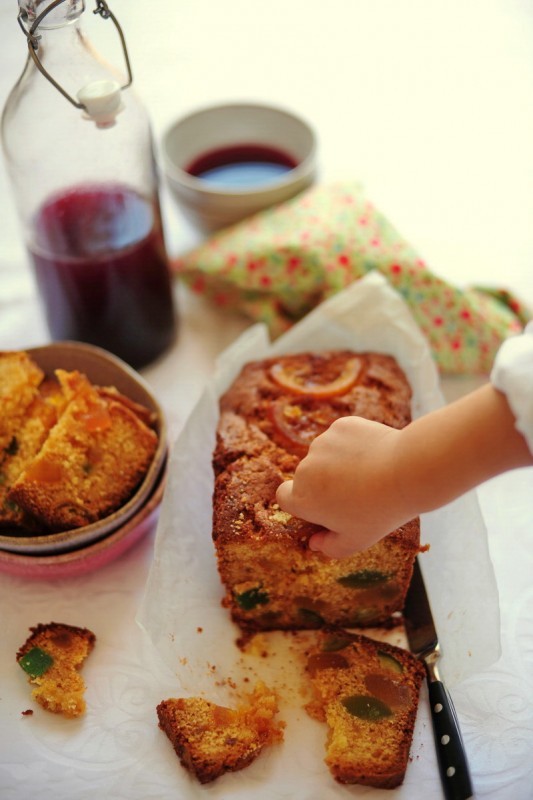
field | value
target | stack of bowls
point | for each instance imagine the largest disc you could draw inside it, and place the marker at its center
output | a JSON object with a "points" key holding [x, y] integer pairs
{"points": [[79, 550]]}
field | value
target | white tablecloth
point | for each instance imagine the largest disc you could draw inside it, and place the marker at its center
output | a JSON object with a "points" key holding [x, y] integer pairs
{"points": [[429, 105]]}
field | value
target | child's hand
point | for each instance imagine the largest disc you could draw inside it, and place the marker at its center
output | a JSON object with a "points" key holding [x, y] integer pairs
{"points": [[361, 480], [347, 484]]}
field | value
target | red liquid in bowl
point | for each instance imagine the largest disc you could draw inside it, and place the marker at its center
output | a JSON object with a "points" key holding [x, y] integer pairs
{"points": [[102, 271], [242, 166]]}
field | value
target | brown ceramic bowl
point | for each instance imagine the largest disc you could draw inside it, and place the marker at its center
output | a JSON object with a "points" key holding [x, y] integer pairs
{"points": [[103, 369], [90, 557]]}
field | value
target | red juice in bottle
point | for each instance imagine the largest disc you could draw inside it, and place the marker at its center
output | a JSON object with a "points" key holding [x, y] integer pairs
{"points": [[102, 271]]}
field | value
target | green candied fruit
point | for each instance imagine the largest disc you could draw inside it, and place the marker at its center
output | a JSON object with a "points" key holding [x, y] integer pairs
{"points": [[389, 662], [311, 617], [363, 616], [36, 662], [12, 448], [10, 505], [364, 578], [336, 642], [366, 707], [251, 598]]}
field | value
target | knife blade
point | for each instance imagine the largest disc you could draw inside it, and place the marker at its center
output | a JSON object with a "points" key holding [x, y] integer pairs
{"points": [[424, 643]]}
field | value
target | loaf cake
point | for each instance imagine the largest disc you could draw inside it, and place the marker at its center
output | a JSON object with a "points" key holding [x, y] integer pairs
{"points": [[72, 452], [268, 418], [367, 692], [210, 739], [52, 657]]}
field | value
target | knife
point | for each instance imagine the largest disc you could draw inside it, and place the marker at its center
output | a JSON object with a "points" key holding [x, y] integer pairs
{"points": [[424, 643]]}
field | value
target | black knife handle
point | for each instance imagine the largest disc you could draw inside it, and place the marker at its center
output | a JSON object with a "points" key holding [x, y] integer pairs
{"points": [[453, 765]]}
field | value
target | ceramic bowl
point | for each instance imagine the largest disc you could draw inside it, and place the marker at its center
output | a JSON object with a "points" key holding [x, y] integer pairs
{"points": [[232, 125], [103, 369], [92, 556]]}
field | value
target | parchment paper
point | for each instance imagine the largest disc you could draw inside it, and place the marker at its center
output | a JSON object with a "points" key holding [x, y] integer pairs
{"points": [[181, 611]]}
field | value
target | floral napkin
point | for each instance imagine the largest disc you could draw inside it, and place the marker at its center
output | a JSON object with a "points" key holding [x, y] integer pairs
{"points": [[279, 264]]}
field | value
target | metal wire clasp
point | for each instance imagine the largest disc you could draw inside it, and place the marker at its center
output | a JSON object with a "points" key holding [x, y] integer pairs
{"points": [[33, 38]]}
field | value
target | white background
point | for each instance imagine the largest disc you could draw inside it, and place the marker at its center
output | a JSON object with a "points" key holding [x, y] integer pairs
{"points": [[429, 105]]}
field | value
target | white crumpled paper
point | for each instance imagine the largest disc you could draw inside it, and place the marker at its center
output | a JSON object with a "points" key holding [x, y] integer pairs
{"points": [[181, 610]]}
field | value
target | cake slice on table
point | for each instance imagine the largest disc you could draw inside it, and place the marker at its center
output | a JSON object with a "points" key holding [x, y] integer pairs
{"points": [[268, 418], [211, 740], [52, 657], [367, 692]]}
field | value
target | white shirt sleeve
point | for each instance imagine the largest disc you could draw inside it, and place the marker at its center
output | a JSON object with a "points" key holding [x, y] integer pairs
{"points": [[512, 374]]}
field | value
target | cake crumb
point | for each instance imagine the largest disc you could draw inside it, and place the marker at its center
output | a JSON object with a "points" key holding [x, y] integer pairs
{"points": [[281, 516]]}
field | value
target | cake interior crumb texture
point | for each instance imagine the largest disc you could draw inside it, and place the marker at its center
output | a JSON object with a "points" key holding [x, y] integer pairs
{"points": [[367, 692], [211, 739]]}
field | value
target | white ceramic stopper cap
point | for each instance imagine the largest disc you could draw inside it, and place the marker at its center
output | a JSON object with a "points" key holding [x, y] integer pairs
{"points": [[102, 101]]}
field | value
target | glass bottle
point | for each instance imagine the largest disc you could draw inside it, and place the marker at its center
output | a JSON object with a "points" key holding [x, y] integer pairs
{"points": [[79, 152]]}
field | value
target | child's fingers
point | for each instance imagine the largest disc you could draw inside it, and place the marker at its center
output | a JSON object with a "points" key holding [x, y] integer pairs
{"points": [[332, 544], [284, 496], [293, 502]]}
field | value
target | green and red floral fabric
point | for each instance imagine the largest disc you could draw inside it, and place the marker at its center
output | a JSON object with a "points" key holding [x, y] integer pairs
{"points": [[279, 264]]}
